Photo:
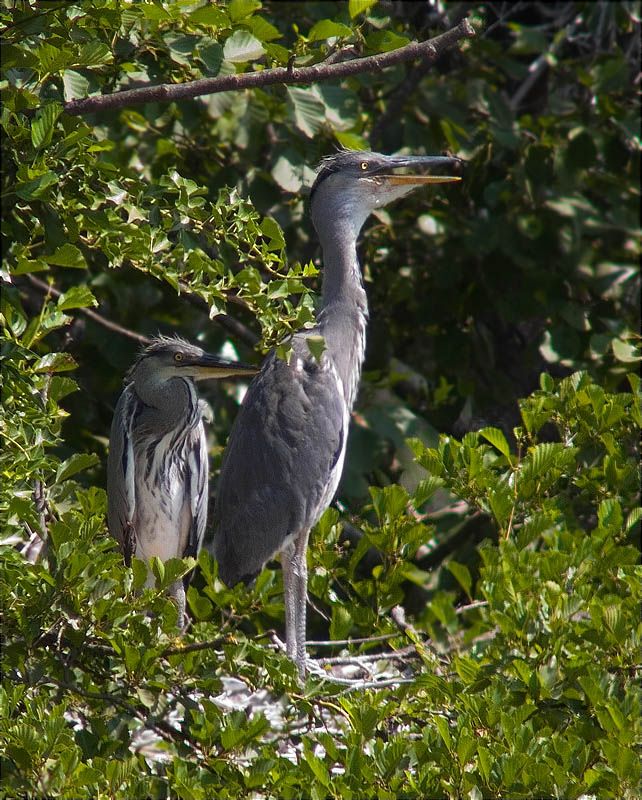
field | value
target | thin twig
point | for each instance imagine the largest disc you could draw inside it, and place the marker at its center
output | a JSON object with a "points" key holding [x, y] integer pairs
{"points": [[345, 642], [47, 288], [342, 55], [41, 508], [429, 50], [231, 324], [225, 320], [538, 66], [368, 657], [159, 726], [359, 683], [192, 648], [470, 606]]}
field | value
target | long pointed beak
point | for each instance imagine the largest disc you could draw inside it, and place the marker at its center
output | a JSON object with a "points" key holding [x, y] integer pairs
{"points": [[398, 162], [418, 180], [208, 366]]}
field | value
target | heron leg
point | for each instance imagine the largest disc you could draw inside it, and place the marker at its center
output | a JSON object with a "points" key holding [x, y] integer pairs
{"points": [[301, 599], [177, 591], [289, 598], [295, 587]]}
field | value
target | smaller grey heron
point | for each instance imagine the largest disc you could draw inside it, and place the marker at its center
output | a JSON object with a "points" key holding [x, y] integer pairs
{"points": [[157, 467]]}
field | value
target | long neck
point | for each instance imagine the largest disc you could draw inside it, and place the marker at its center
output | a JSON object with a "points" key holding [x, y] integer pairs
{"points": [[344, 315], [170, 403]]}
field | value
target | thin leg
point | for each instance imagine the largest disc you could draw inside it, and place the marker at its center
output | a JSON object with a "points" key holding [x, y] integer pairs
{"points": [[295, 588], [177, 591], [289, 597], [301, 599]]}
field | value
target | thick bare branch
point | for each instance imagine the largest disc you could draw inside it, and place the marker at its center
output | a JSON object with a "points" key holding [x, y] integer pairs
{"points": [[429, 51]]}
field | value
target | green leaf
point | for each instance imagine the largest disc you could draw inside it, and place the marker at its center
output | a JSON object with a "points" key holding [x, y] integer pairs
{"points": [[542, 457], [211, 16], [316, 345], [384, 41], [626, 352], [76, 85], [200, 606], [241, 46], [43, 125], [67, 256], [55, 362], [239, 9], [31, 190], [53, 59], [308, 111], [546, 382], [444, 731], [75, 464], [94, 54], [140, 571], [633, 518], [501, 502], [356, 7], [350, 140], [262, 29], [328, 29], [212, 56], [389, 502], [181, 48], [425, 489], [60, 387], [496, 437], [76, 297], [272, 230], [462, 574], [609, 513]]}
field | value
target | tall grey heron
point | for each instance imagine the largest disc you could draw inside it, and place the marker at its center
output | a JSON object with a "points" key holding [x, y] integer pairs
{"points": [[157, 467], [286, 450]]}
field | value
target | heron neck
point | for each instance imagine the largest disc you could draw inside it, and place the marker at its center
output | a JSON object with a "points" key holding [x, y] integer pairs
{"points": [[338, 232], [344, 314], [169, 401]]}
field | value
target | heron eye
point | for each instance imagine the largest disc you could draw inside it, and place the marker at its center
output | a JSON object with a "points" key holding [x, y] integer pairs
{"points": [[178, 356], [364, 165]]}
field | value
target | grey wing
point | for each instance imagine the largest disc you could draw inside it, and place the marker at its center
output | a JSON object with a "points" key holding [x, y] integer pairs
{"points": [[121, 478], [197, 471], [280, 467]]}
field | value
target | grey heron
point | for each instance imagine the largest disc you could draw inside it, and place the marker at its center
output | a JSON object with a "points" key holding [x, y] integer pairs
{"points": [[157, 467], [285, 453]]}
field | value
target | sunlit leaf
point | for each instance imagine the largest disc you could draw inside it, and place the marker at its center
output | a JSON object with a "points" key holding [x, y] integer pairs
{"points": [[75, 464], [75, 85], [241, 46], [308, 111], [68, 255], [327, 29], [496, 437], [76, 297]]}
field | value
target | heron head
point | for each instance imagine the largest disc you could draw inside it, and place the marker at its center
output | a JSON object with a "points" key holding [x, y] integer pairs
{"points": [[355, 183], [172, 357]]}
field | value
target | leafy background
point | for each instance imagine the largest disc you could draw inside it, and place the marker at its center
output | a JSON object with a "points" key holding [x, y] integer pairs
{"points": [[487, 517]]}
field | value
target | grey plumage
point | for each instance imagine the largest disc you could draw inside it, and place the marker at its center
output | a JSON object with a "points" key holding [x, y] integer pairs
{"points": [[285, 454], [157, 468]]}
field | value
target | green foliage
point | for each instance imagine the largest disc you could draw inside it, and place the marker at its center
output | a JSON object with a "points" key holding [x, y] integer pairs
{"points": [[499, 566]]}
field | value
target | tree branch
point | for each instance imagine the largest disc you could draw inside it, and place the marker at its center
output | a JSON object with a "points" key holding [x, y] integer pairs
{"points": [[229, 323], [430, 51], [47, 288]]}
